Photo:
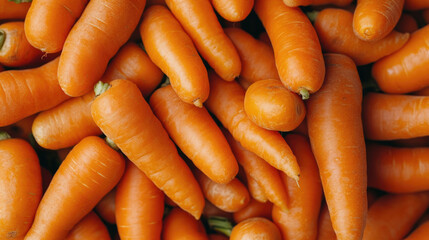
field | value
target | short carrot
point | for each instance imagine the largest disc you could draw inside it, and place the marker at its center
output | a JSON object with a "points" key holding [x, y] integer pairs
{"points": [[146, 143], [233, 11], [180, 225], [254, 209], [255, 228], [420, 233], [88, 173], [297, 50], [106, 207], [296, 3], [11, 10], [89, 228], [334, 117], [95, 38], [256, 190], [407, 23], [415, 5], [200, 22]]}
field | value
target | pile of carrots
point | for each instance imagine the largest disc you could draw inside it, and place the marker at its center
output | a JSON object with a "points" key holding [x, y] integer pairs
{"points": [[214, 119]]}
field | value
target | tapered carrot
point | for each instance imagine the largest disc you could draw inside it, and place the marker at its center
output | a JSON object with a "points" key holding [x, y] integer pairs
{"points": [[146, 143], [255, 228], [139, 206], [22, 183], [48, 22], [233, 11], [200, 22], [297, 50], [254, 209], [180, 225], [226, 102], [415, 5], [256, 190], [95, 38], [324, 229], [392, 216], [89, 228], [334, 117], [25, 92], [296, 3], [11, 10], [335, 30], [88, 173], [420, 233], [106, 207], [407, 23], [196, 134]]}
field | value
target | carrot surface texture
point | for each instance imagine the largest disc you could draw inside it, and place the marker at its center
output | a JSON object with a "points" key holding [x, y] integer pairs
{"points": [[179, 225], [106, 207], [170, 48], [420, 233], [89, 172], [415, 4], [48, 22], [89, 228], [146, 143], [334, 117], [296, 3], [255, 228], [335, 30], [95, 38], [200, 22], [12, 10], [254, 209], [233, 11], [324, 229], [407, 23], [297, 50]]}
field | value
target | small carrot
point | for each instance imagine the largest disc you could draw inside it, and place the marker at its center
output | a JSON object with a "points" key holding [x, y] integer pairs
{"points": [[325, 231], [95, 38], [407, 23], [89, 228], [200, 22], [254, 209], [334, 117], [233, 11], [420, 233], [106, 207], [146, 143], [256, 190], [88, 173], [255, 228], [180, 225], [335, 30], [13, 10], [297, 50], [296, 3], [139, 206], [415, 5]]}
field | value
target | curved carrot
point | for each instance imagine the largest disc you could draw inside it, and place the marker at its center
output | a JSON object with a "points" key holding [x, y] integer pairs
{"points": [[106, 207], [254, 209], [146, 143], [334, 117], [48, 22], [255, 228], [233, 11], [89, 228], [407, 23], [139, 206], [420, 233], [25, 92], [335, 31], [325, 231], [200, 22], [180, 225], [226, 102], [415, 5], [22, 183], [296, 3], [256, 190], [196, 134], [11, 10], [95, 38], [297, 50]]}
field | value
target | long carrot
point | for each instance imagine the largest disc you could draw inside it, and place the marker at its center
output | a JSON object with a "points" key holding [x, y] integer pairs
{"points": [[226, 102], [89, 228], [95, 38], [233, 11], [21, 182], [146, 143], [407, 23], [88, 173], [415, 5], [256, 190], [334, 117], [200, 22], [296, 47], [420, 233], [296, 3], [254, 209], [255, 228], [106, 207], [11, 10], [180, 225]]}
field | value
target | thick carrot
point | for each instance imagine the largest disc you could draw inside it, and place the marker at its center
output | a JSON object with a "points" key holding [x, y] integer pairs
{"points": [[392, 216], [88, 173], [179, 225], [255, 228], [21, 182], [95, 38], [48, 22], [146, 143], [297, 50], [256, 190], [233, 11], [200, 22], [196, 134], [11, 10], [405, 70], [407, 23], [325, 231], [296, 3], [337, 140], [226, 102], [335, 31], [25, 92], [139, 206], [106, 207], [254, 209], [89, 228], [415, 4], [420, 233]]}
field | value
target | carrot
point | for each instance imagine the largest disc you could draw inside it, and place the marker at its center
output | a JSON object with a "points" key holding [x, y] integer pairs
{"points": [[22, 186], [407, 23], [211, 210], [95, 38], [393, 216], [12, 10], [256, 191], [200, 22], [415, 5], [226, 102], [180, 225], [297, 50], [334, 117], [89, 228], [48, 22], [88, 173], [271, 106], [325, 231], [233, 11], [106, 207], [420, 233], [257, 58], [255, 228], [302, 128], [20, 129], [139, 206], [196, 134], [146, 143], [254, 209], [335, 31], [404, 70], [296, 3], [25, 92], [155, 2], [217, 237], [245, 84]]}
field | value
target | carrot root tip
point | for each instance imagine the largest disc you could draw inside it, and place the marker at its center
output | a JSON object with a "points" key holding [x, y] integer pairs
{"points": [[197, 102], [100, 87], [112, 144], [2, 38], [220, 224], [4, 136], [305, 94]]}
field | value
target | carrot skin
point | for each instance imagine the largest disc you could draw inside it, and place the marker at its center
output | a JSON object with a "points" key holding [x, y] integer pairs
{"points": [[296, 3], [89, 228], [254, 209], [420, 233], [256, 190], [407, 23], [233, 11], [11, 10], [106, 207], [325, 231], [180, 225], [255, 228], [415, 5]]}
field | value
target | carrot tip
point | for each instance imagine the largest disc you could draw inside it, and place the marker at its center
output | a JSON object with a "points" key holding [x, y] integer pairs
{"points": [[100, 87], [220, 224], [2, 38], [305, 94], [197, 102], [4, 136]]}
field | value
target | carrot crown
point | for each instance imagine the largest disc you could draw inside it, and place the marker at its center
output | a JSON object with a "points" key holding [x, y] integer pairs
{"points": [[100, 87], [220, 224], [2, 38], [4, 136], [20, 1]]}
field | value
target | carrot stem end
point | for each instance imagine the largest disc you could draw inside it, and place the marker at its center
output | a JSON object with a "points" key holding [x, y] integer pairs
{"points": [[2, 38], [100, 87], [305, 94], [220, 224], [4, 136]]}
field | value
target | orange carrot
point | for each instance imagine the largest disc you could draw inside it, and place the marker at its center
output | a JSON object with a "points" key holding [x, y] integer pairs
{"points": [[407, 23], [146, 143], [233, 11], [11, 10], [325, 231], [89, 228], [256, 190], [211, 210], [180, 225], [255, 228], [20, 129], [254, 209], [95, 38], [415, 4], [46, 178], [244, 83], [296, 3], [88, 173], [420, 233], [106, 207], [302, 128], [334, 117]]}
